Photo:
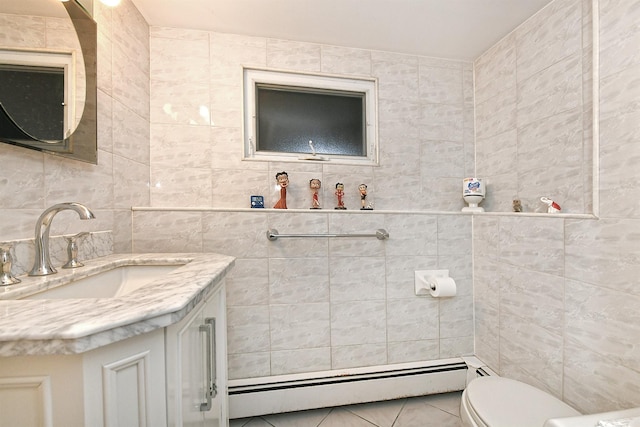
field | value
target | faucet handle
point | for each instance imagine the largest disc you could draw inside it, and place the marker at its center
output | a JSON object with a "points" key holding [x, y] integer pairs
{"points": [[5, 267], [72, 249]]}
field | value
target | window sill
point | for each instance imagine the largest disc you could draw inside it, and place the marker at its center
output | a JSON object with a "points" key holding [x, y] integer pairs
{"points": [[309, 159]]}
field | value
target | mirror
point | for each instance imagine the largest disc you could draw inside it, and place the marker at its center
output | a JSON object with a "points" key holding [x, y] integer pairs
{"points": [[35, 53]]}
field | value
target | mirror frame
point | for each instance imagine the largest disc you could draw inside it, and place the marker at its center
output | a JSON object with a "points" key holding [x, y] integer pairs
{"points": [[82, 144]]}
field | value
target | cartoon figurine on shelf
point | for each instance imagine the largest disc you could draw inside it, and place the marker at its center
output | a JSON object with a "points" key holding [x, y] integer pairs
{"points": [[315, 185], [553, 207], [517, 205], [363, 198], [283, 182], [340, 196]]}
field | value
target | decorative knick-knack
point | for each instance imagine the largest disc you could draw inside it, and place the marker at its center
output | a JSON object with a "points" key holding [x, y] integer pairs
{"points": [[473, 192], [552, 207], [363, 198], [314, 185], [257, 201], [517, 205], [283, 182], [340, 196]]}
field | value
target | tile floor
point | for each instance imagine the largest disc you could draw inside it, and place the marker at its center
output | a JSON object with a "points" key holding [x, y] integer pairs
{"points": [[440, 410]]}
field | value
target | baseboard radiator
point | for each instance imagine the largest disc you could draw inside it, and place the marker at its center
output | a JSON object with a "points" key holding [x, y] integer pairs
{"points": [[287, 393]]}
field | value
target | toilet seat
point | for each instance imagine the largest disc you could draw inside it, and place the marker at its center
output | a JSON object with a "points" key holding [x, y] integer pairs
{"points": [[503, 402]]}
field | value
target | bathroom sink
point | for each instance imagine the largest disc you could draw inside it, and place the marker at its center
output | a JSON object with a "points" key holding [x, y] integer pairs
{"points": [[115, 282]]}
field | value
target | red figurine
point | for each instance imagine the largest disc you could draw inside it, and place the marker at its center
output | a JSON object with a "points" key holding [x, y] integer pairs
{"points": [[315, 185], [283, 182], [340, 196]]}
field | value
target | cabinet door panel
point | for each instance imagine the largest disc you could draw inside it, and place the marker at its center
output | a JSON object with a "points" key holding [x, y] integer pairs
{"points": [[125, 394], [192, 367], [124, 383], [214, 309], [196, 352], [25, 401]]}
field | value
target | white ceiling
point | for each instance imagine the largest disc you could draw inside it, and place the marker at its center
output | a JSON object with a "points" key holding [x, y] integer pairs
{"points": [[457, 29]]}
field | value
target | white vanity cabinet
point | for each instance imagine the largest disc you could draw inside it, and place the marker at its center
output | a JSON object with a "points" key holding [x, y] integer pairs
{"points": [[154, 358], [197, 366]]}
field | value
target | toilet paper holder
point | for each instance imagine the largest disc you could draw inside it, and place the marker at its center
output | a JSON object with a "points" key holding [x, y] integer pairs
{"points": [[425, 280]]}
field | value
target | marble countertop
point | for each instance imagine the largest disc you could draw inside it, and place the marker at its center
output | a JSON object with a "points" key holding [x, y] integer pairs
{"points": [[70, 326]]}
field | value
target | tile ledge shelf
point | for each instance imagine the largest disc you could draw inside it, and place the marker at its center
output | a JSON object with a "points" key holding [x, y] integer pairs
{"points": [[364, 212]]}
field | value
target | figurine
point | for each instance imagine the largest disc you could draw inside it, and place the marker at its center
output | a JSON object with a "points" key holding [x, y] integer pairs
{"points": [[340, 196], [553, 207], [283, 182], [315, 185], [517, 205], [363, 198]]}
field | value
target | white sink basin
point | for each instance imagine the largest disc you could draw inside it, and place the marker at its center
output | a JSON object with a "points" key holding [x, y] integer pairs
{"points": [[112, 283]]}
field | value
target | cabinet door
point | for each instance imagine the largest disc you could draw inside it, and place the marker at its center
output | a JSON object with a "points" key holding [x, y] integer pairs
{"points": [[192, 369], [196, 366], [215, 317], [185, 370], [124, 383]]}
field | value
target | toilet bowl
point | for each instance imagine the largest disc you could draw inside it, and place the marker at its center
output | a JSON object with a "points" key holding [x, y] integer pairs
{"points": [[494, 401], [503, 402]]}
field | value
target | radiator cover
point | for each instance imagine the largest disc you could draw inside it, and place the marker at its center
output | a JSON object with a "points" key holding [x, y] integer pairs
{"points": [[288, 393]]}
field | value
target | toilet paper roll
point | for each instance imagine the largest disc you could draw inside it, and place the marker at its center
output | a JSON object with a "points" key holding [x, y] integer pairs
{"points": [[442, 287]]}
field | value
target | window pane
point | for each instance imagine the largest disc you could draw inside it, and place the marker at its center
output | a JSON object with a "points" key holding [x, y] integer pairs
{"points": [[288, 118], [34, 98]]}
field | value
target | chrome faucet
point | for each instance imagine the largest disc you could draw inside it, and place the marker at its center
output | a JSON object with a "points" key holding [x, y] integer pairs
{"points": [[42, 264]]}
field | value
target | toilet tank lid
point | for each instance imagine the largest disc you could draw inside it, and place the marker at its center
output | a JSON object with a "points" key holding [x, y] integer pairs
{"points": [[503, 402]]}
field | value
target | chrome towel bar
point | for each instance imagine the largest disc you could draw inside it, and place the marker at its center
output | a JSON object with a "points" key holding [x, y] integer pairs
{"points": [[380, 234]]}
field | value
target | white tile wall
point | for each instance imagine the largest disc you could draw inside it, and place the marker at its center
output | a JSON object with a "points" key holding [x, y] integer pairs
{"points": [[556, 299], [533, 114], [421, 101], [318, 303], [305, 304]]}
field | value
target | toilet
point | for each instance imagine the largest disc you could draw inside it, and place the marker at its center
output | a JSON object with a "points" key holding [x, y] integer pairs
{"points": [[493, 401], [502, 402]]}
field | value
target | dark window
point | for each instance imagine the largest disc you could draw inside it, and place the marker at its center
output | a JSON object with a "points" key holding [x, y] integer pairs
{"points": [[289, 117], [34, 98]]}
